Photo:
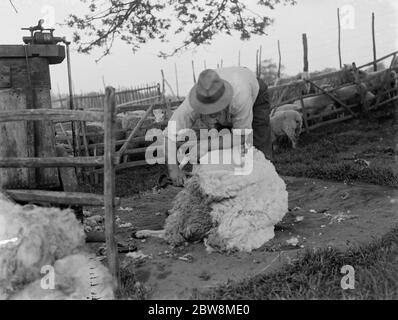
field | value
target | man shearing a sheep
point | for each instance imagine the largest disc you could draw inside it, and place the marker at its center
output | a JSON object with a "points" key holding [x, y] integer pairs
{"points": [[225, 98]]}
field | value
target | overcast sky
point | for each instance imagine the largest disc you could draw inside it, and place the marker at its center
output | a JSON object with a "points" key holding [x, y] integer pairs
{"points": [[317, 18]]}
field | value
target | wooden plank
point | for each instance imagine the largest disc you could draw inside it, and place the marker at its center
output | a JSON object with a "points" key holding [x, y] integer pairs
{"points": [[307, 129], [139, 107], [332, 97], [51, 162], [330, 113], [388, 101], [378, 60], [50, 115], [123, 166], [58, 198], [321, 124], [109, 185], [118, 143], [5, 76], [15, 141], [136, 151], [68, 176], [135, 102]]}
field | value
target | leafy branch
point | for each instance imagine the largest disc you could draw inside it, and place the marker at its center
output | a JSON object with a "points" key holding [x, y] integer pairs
{"points": [[138, 21]]}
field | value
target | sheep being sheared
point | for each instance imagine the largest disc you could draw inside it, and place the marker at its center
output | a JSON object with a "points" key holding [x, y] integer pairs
{"points": [[286, 123], [226, 210], [33, 237]]}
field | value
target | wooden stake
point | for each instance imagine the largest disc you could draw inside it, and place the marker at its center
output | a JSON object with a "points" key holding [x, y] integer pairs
{"points": [[177, 86], [280, 60], [193, 72], [374, 42], [109, 185], [259, 61], [339, 41], [305, 47]]}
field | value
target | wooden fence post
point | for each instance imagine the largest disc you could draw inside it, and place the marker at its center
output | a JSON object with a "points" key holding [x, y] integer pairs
{"points": [[339, 41], [109, 184], [259, 61], [177, 86], [374, 42], [193, 72], [280, 60], [305, 47]]}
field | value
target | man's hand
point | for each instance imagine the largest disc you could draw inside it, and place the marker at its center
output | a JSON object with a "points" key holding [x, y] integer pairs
{"points": [[177, 176]]}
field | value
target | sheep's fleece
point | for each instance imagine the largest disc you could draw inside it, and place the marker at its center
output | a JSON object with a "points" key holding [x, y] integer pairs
{"points": [[33, 237], [229, 211]]}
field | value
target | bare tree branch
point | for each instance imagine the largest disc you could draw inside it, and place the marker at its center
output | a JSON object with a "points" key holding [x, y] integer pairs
{"points": [[138, 21], [12, 4]]}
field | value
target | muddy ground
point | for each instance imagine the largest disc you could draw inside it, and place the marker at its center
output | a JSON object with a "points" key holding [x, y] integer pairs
{"points": [[321, 214]]}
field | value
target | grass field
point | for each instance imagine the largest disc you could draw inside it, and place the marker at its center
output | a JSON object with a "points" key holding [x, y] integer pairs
{"points": [[317, 275], [362, 150]]}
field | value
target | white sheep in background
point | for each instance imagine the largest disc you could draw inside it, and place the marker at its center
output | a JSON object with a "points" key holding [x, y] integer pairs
{"points": [[285, 107], [226, 210], [32, 238], [286, 123]]}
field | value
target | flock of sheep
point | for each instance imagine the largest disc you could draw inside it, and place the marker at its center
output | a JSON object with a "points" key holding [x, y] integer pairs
{"points": [[287, 120]]}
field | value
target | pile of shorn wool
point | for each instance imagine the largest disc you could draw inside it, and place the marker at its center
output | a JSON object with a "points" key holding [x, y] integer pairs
{"points": [[33, 239], [227, 207]]}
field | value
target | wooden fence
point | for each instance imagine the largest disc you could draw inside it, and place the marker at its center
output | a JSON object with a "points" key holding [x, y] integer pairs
{"points": [[292, 92], [108, 161], [140, 95]]}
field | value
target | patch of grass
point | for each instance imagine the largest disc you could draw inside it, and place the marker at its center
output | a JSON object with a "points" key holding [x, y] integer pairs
{"points": [[318, 276], [130, 288], [343, 172], [322, 153]]}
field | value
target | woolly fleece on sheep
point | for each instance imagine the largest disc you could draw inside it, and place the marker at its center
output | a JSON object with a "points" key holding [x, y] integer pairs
{"points": [[229, 211]]}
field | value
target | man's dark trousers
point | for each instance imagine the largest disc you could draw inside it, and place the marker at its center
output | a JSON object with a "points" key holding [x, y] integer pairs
{"points": [[261, 121]]}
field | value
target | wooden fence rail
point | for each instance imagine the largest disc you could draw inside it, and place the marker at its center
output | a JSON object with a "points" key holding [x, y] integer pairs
{"points": [[50, 162], [96, 101], [50, 115]]}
